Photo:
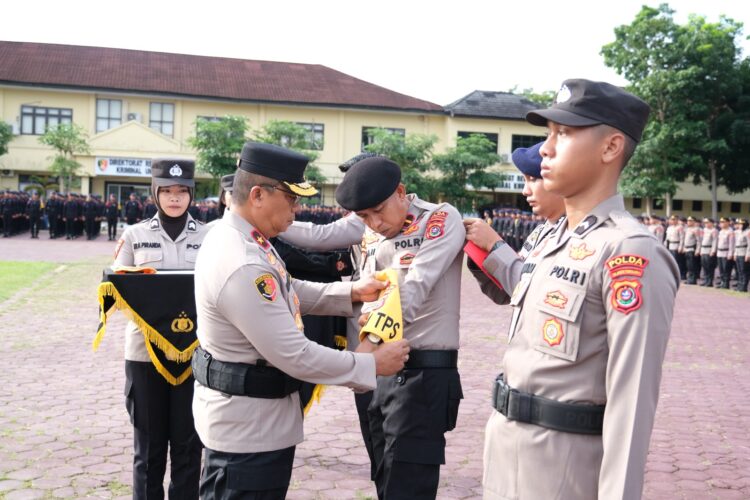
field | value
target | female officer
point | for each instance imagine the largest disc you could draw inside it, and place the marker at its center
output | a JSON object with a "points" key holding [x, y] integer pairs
{"points": [[160, 409]]}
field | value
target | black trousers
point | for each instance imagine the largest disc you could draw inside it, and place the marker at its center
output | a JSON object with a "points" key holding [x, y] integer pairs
{"points": [[409, 415], [70, 228], [112, 229], [162, 419], [362, 402], [693, 264], [725, 271], [708, 263], [246, 476], [34, 226], [90, 227], [7, 224], [680, 259], [742, 268]]}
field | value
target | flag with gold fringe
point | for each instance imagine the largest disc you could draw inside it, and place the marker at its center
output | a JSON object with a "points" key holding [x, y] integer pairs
{"points": [[162, 306]]}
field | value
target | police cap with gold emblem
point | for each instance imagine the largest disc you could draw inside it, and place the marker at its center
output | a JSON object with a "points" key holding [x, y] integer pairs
{"points": [[368, 183], [277, 163], [171, 171], [583, 103]]}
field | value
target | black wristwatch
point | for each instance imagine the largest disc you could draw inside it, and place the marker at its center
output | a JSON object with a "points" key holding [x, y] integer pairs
{"points": [[497, 245]]}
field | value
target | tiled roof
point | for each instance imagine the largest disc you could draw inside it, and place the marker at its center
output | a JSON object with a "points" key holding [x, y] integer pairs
{"points": [[490, 104], [98, 68]]}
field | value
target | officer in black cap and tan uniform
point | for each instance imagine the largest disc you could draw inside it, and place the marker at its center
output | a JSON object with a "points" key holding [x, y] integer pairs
{"points": [[590, 322], [161, 412], [253, 350]]}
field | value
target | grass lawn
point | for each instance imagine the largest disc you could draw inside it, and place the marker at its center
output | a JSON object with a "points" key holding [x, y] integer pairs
{"points": [[15, 276]]}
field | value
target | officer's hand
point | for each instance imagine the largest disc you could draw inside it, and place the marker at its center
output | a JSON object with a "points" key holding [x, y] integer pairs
{"points": [[363, 319], [481, 234], [366, 346], [390, 357], [367, 289]]}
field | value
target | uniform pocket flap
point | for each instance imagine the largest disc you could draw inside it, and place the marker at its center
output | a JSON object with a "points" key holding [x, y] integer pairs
{"points": [[143, 256], [561, 301]]}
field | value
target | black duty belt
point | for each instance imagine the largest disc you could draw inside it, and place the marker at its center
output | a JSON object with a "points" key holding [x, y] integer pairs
{"points": [[419, 359], [722, 249], [531, 409], [240, 379], [690, 248], [740, 246], [706, 246]]}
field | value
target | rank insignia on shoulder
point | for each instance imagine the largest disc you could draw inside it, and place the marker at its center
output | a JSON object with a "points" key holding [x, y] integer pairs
{"points": [[626, 295], [272, 258], [260, 239], [154, 224], [552, 332], [266, 285], [585, 224], [626, 265], [580, 252], [192, 226]]}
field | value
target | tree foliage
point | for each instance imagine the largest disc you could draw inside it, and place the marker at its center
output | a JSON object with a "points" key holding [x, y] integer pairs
{"points": [[6, 134], [691, 77], [293, 136], [544, 98], [219, 144], [413, 153], [69, 140], [466, 165]]}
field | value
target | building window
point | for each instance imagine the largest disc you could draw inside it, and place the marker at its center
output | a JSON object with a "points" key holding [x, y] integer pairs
{"points": [[161, 117], [315, 135], [677, 205], [637, 203], [490, 136], [367, 134], [718, 206], [108, 114], [735, 207], [697, 206], [525, 141], [657, 203], [35, 119]]}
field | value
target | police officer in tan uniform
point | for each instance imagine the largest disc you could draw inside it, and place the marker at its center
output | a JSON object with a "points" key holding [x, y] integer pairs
{"points": [[741, 254], [725, 251], [590, 322], [159, 411], [708, 250], [673, 239], [253, 350], [691, 250], [507, 270]]}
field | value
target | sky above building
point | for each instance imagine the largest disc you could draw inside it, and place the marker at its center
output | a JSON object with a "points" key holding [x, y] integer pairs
{"points": [[434, 50]]}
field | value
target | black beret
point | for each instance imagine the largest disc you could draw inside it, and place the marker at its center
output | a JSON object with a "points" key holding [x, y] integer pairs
{"points": [[528, 160], [227, 182], [277, 163], [368, 183], [582, 103], [171, 171], [344, 167]]}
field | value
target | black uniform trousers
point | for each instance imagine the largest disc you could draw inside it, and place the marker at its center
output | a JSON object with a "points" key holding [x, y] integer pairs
{"points": [[409, 416], [246, 476], [362, 402], [70, 228], [725, 271], [34, 225], [742, 268], [91, 227], [693, 264], [112, 228], [162, 419], [708, 263]]}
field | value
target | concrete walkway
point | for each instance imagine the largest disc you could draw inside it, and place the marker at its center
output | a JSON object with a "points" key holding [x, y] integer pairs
{"points": [[64, 431]]}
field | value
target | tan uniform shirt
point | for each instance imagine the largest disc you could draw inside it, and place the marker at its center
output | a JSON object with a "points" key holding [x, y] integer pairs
{"points": [[725, 243], [148, 244], [691, 243], [657, 230], [675, 237], [708, 241], [741, 241], [590, 325], [249, 308]]}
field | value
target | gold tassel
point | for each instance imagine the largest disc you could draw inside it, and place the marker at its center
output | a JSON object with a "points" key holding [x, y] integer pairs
{"points": [[340, 341], [162, 369], [106, 289], [317, 393]]}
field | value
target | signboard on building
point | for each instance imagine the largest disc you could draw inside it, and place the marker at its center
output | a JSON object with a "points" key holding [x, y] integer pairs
{"points": [[126, 167]]}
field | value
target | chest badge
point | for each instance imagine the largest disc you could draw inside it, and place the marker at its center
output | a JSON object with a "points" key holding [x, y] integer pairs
{"points": [[552, 332], [556, 299], [580, 252]]}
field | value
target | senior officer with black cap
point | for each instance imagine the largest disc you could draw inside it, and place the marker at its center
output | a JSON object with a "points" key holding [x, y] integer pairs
{"points": [[160, 411], [246, 405], [503, 262], [590, 323]]}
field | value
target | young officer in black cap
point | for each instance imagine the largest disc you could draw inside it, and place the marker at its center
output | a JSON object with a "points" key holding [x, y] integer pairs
{"points": [[160, 411], [590, 322], [253, 349]]}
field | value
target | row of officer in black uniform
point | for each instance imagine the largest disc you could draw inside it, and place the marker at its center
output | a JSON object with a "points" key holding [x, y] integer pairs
{"points": [[512, 224]]}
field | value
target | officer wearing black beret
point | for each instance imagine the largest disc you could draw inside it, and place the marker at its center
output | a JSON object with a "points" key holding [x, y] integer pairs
{"points": [[250, 315], [160, 405]]}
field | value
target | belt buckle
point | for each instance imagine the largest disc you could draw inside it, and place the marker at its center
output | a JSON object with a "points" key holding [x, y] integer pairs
{"points": [[501, 395]]}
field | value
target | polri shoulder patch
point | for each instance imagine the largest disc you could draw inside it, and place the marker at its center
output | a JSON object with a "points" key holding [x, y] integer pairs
{"points": [[266, 285], [436, 225], [626, 295], [626, 265]]}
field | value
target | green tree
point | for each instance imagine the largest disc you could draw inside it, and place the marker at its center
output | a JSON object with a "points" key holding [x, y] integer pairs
{"points": [[689, 75], [465, 166], [293, 136], [6, 134], [413, 153], [41, 184], [219, 144], [544, 98], [69, 140]]}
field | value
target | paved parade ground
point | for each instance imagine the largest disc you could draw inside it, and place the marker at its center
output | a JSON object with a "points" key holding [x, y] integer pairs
{"points": [[64, 430]]}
